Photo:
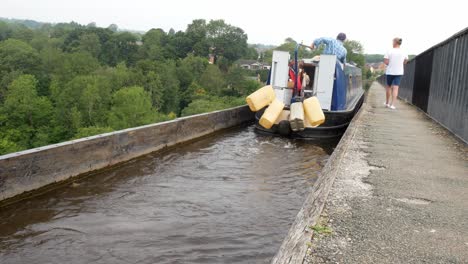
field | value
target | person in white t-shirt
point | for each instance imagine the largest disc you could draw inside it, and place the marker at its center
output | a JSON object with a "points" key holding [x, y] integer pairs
{"points": [[395, 59]]}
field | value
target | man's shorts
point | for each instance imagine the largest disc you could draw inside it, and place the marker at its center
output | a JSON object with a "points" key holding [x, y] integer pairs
{"points": [[393, 80]]}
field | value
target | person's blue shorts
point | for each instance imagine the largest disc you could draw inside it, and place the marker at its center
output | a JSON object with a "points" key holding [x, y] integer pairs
{"points": [[393, 80]]}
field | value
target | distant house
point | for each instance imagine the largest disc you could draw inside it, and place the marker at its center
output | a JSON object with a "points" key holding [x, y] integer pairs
{"points": [[382, 67], [376, 66], [253, 65]]}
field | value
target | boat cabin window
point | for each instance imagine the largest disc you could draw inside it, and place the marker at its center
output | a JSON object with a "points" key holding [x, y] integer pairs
{"points": [[309, 68]]}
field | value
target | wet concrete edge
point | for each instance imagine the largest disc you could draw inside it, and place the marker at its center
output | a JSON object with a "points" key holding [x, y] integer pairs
{"points": [[31, 172], [298, 240]]}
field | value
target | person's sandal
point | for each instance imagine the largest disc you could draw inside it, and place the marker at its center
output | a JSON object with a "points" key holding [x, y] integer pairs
{"points": [[392, 107]]}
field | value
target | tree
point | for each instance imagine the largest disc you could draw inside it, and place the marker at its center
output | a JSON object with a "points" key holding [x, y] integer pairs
{"points": [[120, 76], [196, 32], [239, 84], [267, 56], [227, 40], [166, 70], [5, 81], [83, 101], [193, 91], [153, 44], [93, 101], [66, 80], [52, 60], [5, 31], [182, 44], [290, 46], [40, 41], [126, 47], [22, 33], [90, 43], [154, 87], [8, 146], [355, 53], [131, 107], [171, 94], [121, 47], [74, 64], [16, 55], [202, 106], [113, 27], [207, 103], [190, 70], [264, 74], [251, 53], [290, 40], [373, 58], [236, 79], [22, 102], [61, 30], [26, 113], [212, 80]]}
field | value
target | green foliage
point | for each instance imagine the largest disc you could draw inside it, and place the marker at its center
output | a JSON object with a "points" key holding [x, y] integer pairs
{"points": [[226, 40], [5, 31], [251, 53], [90, 43], [196, 32], [355, 53], [154, 87], [119, 76], [171, 94], [205, 104], [25, 114], [131, 107], [66, 81], [373, 58], [264, 75], [267, 56], [320, 229], [23, 105], [190, 69], [368, 77], [16, 55], [91, 131], [218, 38], [125, 46], [290, 46], [153, 45], [238, 84], [90, 95], [212, 80], [8, 146]]}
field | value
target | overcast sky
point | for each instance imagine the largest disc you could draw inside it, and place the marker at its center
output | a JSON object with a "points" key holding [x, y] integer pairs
{"points": [[374, 23]]}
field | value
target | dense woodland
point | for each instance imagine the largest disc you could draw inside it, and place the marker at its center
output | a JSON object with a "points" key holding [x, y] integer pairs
{"points": [[66, 81]]}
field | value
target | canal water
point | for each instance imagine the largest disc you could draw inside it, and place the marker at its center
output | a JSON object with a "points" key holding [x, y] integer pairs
{"points": [[228, 198]]}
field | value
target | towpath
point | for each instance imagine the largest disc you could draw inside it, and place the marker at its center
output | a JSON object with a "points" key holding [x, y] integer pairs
{"points": [[400, 194]]}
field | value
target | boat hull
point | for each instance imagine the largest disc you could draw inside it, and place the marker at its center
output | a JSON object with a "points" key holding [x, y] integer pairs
{"points": [[334, 127]]}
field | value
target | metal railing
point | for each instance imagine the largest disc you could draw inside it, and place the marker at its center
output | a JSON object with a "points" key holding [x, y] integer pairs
{"points": [[436, 81]]}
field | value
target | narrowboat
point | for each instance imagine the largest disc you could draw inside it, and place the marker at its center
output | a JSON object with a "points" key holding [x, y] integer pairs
{"points": [[337, 87]]}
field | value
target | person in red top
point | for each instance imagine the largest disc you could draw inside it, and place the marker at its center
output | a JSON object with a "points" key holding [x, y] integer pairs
{"points": [[292, 76]]}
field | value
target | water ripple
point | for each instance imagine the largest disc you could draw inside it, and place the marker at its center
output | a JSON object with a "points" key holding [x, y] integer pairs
{"points": [[226, 199]]}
